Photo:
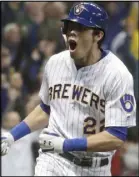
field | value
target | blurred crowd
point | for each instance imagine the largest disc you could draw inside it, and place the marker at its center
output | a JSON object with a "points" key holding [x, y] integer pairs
{"points": [[31, 33]]}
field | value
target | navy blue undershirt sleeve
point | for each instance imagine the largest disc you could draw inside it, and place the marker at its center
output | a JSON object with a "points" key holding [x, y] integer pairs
{"points": [[45, 107], [119, 132]]}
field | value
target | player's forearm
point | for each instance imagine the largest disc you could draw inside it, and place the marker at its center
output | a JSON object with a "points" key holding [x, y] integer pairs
{"points": [[102, 142], [37, 119]]}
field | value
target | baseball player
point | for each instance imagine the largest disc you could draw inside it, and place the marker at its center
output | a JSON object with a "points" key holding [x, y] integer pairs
{"points": [[87, 93]]}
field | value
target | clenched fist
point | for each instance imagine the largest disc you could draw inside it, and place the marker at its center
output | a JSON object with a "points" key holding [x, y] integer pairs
{"points": [[51, 142]]}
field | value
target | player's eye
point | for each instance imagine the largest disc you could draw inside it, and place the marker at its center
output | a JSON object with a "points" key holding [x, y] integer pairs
{"points": [[76, 26]]}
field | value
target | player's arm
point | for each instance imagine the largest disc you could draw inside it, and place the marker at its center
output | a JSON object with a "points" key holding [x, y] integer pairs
{"points": [[37, 119], [110, 139]]}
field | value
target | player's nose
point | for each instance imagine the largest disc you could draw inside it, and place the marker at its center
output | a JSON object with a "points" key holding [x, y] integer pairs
{"points": [[72, 33]]}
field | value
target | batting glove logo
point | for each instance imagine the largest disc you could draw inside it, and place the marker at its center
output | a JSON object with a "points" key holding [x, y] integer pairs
{"points": [[127, 102]]}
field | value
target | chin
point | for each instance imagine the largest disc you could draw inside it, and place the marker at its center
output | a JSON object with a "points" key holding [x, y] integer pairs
{"points": [[74, 55], [77, 59]]}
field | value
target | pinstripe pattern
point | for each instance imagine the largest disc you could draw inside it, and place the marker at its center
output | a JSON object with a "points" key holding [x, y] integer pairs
{"points": [[105, 80], [54, 165]]}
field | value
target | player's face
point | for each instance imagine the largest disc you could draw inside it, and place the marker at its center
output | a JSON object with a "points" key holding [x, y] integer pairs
{"points": [[80, 40]]}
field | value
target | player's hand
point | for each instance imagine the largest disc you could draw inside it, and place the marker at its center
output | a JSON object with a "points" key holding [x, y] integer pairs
{"points": [[6, 142], [50, 142]]}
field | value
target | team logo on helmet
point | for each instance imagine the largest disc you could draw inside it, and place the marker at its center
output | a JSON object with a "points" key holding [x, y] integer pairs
{"points": [[78, 9]]}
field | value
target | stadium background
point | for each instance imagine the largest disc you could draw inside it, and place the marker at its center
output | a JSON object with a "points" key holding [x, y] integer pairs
{"points": [[31, 33]]}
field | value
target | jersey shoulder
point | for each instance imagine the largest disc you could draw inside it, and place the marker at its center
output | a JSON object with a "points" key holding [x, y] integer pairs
{"points": [[116, 66], [56, 59], [60, 56], [118, 75]]}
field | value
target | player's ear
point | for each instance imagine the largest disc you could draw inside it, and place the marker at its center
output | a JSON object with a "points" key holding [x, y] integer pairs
{"points": [[98, 34]]}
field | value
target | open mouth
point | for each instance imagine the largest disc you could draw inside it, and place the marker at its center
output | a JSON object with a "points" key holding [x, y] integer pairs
{"points": [[72, 44]]}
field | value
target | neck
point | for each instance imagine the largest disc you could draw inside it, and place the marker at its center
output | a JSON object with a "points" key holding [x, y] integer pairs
{"points": [[93, 57]]}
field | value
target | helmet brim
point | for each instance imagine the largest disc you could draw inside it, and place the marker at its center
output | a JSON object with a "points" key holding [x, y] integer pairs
{"points": [[82, 22]]}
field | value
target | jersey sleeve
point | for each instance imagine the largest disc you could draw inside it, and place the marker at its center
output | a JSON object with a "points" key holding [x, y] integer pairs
{"points": [[120, 108], [44, 90]]}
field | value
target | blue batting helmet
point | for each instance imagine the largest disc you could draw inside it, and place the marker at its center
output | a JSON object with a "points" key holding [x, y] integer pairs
{"points": [[88, 14]]}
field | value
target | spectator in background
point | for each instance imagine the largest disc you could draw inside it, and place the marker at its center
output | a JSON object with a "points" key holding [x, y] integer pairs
{"points": [[129, 154], [5, 68], [30, 69], [16, 81], [34, 16], [12, 39], [117, 12], [33, 13], [47, 47], [5, 60], [16, 95], [12, 12], [122, 46], [50, 28], [134, 15], [55, 10], [25, 164], [4, 93]]}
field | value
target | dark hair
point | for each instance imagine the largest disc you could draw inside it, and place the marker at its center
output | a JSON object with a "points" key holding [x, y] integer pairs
{"points": [[96, 32]]}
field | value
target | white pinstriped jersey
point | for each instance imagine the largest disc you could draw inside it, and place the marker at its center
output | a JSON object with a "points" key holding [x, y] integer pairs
{"points": [[85, 101]]}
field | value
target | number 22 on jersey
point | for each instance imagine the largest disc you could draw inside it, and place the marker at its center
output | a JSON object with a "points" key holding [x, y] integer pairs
{"points": [[90, 125]]}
